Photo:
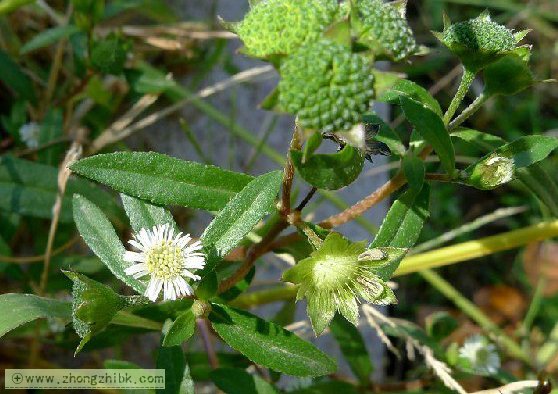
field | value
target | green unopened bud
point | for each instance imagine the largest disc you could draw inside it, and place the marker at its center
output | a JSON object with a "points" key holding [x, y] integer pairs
{"points": [[280, 26], [383, 27], [326, 86], [201, 308], [492, 172], [479, 41]]}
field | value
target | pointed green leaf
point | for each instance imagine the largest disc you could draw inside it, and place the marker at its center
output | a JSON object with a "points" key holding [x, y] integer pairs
{"points": [[18, 309], [330, 171], [238, 381], [48, 37], [177, 373], [414, 170], [13, 77], [30, 189], [353, 348], [99, 235], [432, 128], [181, 329], [145, 215], [242, 213], [402, 225], [509, 75], [164, 180], [412, 91], [269, 345]]}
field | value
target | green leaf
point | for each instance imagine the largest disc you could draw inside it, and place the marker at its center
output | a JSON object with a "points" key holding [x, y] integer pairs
{"points": [[431, 127], [238, 381], [177, 373], [414, 170], [48, 37], [483, 141], [164, 180], [94, 306], [120, 364], [51, 129], [402, 225], [109, 55], [18, 309], [499, 166], [145, 215], [269, 345], [181, 329], [440, 324], [14, 78], [509, 75], [330, 171], [414, 92], [99, 235], [242, 213], [353, 348], [30, 189]]}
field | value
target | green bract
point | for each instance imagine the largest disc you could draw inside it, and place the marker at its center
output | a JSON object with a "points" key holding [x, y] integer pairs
{"points": [[281, 26], [383, 27], [479, 41], [334, 278], [326, 86]]}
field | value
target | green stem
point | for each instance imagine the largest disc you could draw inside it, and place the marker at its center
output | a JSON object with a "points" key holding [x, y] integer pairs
{"points": [[466, 80], [467, 112], [123, 318], [471, 310], [267, 296]]}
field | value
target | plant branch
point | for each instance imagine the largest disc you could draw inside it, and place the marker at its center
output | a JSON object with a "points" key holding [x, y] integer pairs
{"points": [[477, 248], [208, 345], [466, 81], [467, 112], [306, 199]]}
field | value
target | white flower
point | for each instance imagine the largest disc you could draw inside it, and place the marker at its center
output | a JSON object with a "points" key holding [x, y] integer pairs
{"points": [[167, 258], [29, 134], [481, 355]]}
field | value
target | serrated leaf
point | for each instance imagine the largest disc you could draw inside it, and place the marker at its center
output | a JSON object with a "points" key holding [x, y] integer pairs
{"points": [[145, 215], [48, 37], [164, 180], [99, 235], [18, 309], [238, 381], [414, 170], [330, 171], [181, 329], [402, 225], [30, 189], [269, 345], [431, 127], [14, 78], [242, 213], [353, 348], [412, 91]]}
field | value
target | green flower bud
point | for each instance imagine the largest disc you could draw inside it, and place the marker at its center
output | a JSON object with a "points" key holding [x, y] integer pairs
{"points": [[383, 27], [326, 86], [274, 27], [337, 275], [492, 172], [479, 41]]}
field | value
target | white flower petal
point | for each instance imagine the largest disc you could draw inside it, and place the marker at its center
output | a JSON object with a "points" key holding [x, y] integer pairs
{"points": [[134, 256], [153, 289], [137, 270]]}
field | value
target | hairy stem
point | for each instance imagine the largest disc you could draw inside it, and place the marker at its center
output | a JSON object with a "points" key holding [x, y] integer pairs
{"points": [[467, 112], [466, 81]]}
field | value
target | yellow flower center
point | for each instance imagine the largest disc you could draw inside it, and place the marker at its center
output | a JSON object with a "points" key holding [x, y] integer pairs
{"points": [[164, 261]]}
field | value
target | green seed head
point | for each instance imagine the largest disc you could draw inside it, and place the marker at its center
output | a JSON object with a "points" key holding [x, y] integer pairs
{"points": [[326, 86], [384, 28], [280, 26], [479, 41]]}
